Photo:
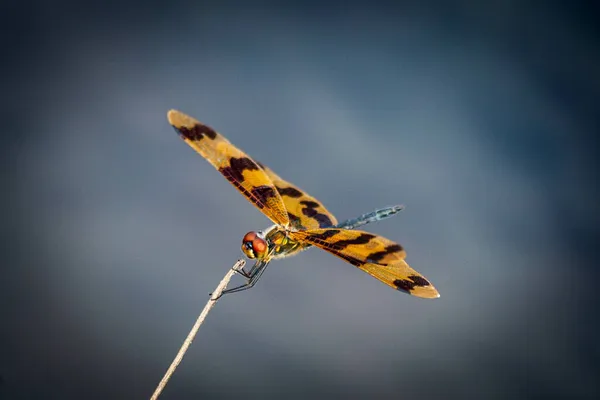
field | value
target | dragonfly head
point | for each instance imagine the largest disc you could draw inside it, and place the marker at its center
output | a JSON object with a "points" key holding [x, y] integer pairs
{"points": [[254, 246]]}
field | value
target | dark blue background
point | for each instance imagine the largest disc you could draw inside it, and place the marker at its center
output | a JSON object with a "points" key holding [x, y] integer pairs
{"points": [[479, 116]]}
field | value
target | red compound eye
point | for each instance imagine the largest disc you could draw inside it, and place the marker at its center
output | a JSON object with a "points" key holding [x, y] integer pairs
{"points": [[253, 245], [259, 245], [249, 237]]}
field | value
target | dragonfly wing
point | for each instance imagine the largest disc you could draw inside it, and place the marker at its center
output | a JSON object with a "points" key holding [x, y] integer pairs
{"points": [[376, 255], [239, 168]]}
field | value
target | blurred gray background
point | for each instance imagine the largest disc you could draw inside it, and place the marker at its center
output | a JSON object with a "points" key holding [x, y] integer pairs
{"points": [[478, 116]]}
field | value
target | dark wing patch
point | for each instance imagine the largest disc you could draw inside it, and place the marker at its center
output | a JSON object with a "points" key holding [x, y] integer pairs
{"points": [[236, 168], [198, 132], [289, 192], [363, 238], [376, 257], [403, 278], [311, 210], [410, 283]]}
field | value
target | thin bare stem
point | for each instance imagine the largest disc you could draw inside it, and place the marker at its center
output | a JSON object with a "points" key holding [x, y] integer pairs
{"points": [[190, 337]]}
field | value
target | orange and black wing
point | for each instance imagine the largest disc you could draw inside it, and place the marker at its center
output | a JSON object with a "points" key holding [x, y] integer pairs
{"points": [[376, 255], [304, 211], [239, 169]]}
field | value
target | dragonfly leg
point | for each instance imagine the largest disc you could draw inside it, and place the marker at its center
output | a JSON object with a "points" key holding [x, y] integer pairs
{"points": [[243, 272], [253, 276]]}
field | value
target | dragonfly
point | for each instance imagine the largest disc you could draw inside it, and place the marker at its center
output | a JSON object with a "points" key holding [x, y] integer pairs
{"points": [[300, 220]]}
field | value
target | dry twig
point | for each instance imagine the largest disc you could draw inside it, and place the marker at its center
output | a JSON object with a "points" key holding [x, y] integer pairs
{"points": [[190, 337]]}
